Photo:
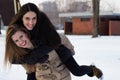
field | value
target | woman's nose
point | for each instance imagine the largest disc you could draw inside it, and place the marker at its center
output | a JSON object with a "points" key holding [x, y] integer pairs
{"points": [[31, 22], [20, 41]]}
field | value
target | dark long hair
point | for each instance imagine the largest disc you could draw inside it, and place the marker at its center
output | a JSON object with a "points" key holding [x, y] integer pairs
{"points": [[44, 30]]}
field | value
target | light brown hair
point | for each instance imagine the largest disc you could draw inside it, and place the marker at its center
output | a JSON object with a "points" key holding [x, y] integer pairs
{"points": [[12, 51]]}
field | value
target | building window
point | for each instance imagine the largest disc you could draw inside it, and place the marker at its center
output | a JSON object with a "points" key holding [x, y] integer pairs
{"points": [[102, 19], [85, 19]]}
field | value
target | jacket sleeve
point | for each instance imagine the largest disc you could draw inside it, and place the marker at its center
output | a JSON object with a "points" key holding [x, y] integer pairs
{"points": [[38, 54]]}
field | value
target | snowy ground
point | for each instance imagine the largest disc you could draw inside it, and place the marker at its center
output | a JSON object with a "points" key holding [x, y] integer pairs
{"points": [[103, 51]]}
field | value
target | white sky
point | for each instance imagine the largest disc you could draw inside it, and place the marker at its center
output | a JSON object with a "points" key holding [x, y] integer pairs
{"points": [[110, 5], [103, 51], [33, 1], [106, 5]]}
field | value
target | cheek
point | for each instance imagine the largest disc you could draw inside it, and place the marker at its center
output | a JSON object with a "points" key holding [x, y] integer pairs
{"points": [[35, 22], [17, 44], [24, 23]]}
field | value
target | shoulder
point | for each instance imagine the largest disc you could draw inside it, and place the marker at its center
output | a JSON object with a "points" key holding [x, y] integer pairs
{"points": [[66, 42], [62, 36]]}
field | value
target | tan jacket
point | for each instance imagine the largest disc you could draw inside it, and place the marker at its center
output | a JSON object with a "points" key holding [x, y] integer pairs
{"points": [[52, 69]]}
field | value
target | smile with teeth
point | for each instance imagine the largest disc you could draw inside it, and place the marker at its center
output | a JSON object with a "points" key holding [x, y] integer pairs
{"points": [[23, 43]]}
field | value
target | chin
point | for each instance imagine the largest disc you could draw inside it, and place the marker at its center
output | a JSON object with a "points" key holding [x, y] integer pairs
{"points": [[29, 29]]}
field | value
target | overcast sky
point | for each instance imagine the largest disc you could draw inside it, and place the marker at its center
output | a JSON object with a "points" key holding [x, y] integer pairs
{"points": [[105, 5], [33, 1]]}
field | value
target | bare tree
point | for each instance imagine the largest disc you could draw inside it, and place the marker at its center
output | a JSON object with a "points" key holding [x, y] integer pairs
{"points": [[95, 18], [51, 10], [79, 7], [0, 24], [63, 5]]}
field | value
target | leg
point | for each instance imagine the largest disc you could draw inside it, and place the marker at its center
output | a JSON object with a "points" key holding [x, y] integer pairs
{"points": [[77, 70], [67, 58], [31, 76]]}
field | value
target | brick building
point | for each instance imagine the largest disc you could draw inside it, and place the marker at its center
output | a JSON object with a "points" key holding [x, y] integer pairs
{"points": [[82, 23]]}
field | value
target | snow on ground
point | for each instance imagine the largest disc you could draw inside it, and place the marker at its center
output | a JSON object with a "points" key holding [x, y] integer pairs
{"points": [[103, 51]]}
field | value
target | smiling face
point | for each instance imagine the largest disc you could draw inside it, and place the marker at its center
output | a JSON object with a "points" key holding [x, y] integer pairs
{"points": [[21, 40], [29, 20]]}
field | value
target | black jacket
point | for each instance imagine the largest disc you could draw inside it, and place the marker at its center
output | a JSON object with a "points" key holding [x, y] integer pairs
{"points": [[39, 54]]}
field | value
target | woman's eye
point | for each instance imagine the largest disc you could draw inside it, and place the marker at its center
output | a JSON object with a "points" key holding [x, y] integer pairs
{"points": [[34, 18], [21, 36], [16, 41], [27, 18]]}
